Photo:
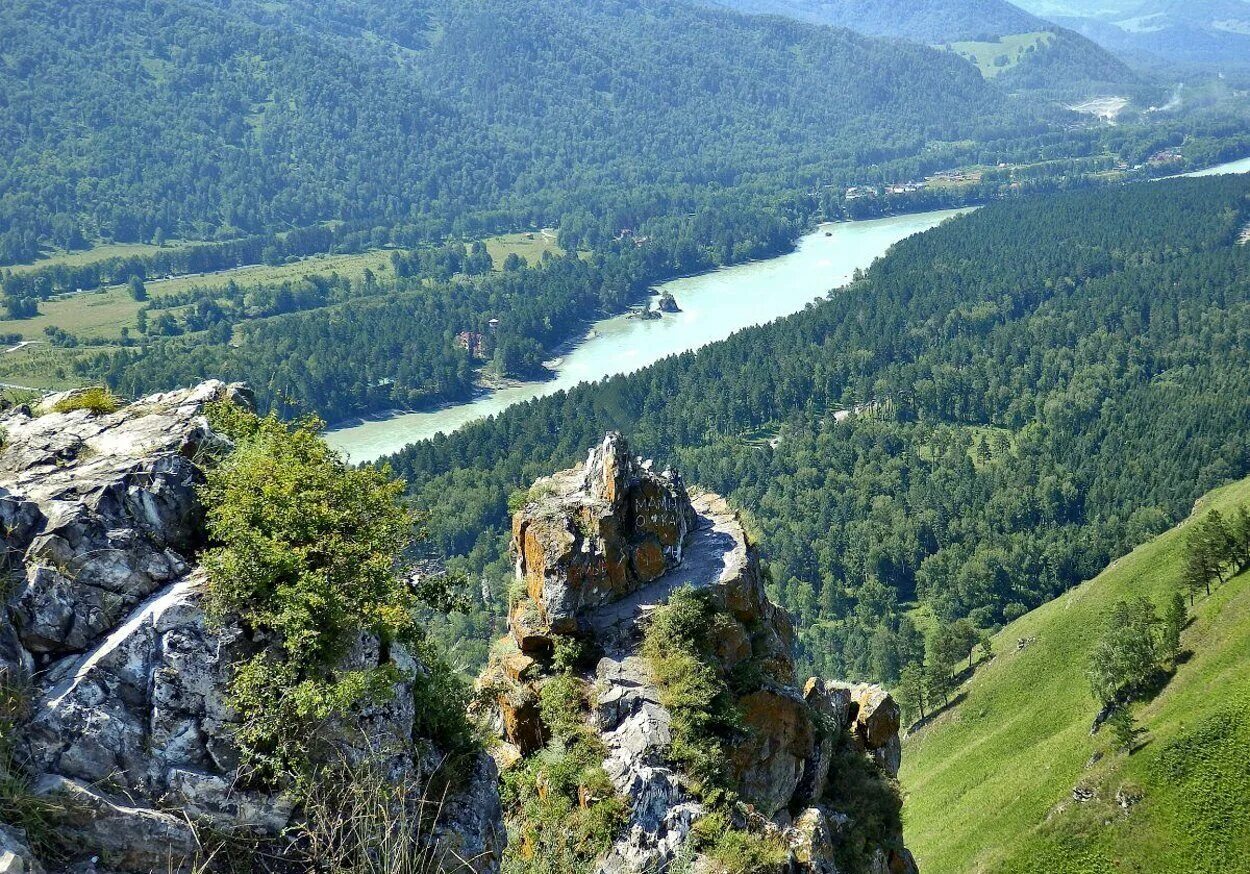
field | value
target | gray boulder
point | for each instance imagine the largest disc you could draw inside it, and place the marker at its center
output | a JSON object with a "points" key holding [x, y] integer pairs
{"points": [[129, 728]]}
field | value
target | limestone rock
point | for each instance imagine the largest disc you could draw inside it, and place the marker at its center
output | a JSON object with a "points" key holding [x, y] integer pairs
{"points": [[811, 841], [128, 724], [889, 756], [15, 854], [829, 706], [469, 832], [126, 837], [877, 715], [769, 763], [600, 549], [593, 534], [522, 719]]}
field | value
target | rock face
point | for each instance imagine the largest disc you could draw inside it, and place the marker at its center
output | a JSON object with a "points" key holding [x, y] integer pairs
{"points": [[599, 549], [595, 534], [128, 726], [15, 855]]}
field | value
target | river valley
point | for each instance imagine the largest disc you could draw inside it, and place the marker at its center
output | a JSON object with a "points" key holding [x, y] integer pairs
{"points": [[713, 306]]}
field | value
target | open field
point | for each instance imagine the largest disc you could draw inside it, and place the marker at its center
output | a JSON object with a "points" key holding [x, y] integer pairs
{"points": [[529, 245], [41, 366], [989, 783], [353, 265], [994, 58], [102, 252]]}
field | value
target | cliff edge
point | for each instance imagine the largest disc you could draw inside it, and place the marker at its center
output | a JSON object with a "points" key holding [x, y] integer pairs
{"points": [[648, 679]]}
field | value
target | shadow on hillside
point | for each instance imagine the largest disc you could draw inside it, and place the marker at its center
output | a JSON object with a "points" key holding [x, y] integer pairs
{"points": [[934, 714]]}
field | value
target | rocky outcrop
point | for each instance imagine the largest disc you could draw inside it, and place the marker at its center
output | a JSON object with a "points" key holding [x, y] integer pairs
{"points": [[667, 304], [592, 535], [128, 726], [600, 548]]}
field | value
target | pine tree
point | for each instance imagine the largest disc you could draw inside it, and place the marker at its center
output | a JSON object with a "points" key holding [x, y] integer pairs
{"points": [[911, 690], [1200, 563], [1239, 528], [965, 636], [1125, 728]]}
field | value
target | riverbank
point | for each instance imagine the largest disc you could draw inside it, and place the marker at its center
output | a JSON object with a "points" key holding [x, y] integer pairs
{"points": [[713, 306]]}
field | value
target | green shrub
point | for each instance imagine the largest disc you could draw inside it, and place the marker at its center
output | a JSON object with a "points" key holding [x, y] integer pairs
{"points": [[309, 553], [705, 717], [873, 805], [98, 400], [18, 805], [560, 702], [566, 810], [730, 850]]}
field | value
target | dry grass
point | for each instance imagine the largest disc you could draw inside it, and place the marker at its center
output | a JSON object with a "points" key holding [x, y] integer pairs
{"points": [[354, 820]]}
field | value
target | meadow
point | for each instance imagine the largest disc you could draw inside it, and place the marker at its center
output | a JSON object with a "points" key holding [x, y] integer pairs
{"points": [[990, 782]]}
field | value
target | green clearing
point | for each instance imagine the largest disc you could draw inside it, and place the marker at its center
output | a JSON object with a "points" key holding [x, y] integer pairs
{"points": [[353, 265], [79, 257], [529, 245], [994, 58], [989, 783], [42, 367]]}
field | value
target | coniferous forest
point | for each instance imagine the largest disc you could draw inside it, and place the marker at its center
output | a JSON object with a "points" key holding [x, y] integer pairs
{"points": [[1033, 389], [945, 569]]}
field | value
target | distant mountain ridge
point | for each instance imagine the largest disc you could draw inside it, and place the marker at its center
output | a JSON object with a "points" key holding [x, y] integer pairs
{"points": [[1210, 34], [934, 21], [1063, 59], [241, 117]]}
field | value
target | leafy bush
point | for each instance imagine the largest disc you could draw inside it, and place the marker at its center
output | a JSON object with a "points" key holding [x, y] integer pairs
{"points": [[308, 553], [705, 717], [98, 400]]}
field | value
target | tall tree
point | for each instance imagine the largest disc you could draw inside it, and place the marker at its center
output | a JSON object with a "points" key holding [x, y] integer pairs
{"points": [[911, 691]]}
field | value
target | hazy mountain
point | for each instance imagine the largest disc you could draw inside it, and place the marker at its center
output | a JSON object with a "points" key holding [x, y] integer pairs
{"points": [[1204, 33], [938, 21], [1007, 42]]}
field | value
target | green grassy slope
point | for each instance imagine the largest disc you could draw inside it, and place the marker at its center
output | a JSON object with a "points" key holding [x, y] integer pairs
{"points": [[989, 783]]}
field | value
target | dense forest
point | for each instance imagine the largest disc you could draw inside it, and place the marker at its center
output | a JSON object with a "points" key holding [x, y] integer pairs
{"points": [[132, 121], [937, 21], [987, 417], [1061, 61], [343, 347]]}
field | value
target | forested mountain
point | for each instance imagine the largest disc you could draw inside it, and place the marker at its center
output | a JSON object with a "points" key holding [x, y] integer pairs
{"points": [[934, 22], [1024, 50], [131, 121], [998, 408], [1211, 34]]}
